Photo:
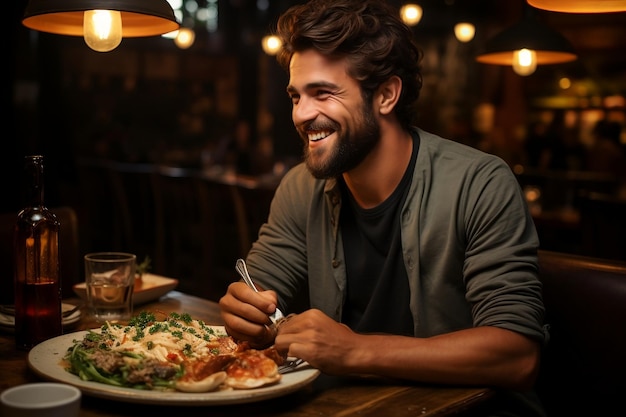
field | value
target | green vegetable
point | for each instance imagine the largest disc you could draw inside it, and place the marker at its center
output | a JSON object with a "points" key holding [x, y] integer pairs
{"points": [[80, 365], [144, 266], [85, 355]]}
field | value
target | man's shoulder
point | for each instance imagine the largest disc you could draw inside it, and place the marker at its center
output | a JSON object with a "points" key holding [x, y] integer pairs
{"points": [[299, 180], [298, 175], [435, 147], [434, 141]]}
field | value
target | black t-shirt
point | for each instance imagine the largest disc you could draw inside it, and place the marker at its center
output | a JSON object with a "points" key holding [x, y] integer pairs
{"points": [[377, 298]]}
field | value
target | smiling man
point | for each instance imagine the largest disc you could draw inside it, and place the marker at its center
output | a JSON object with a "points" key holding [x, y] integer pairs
{"points": [[404, 255], [338, 126]]}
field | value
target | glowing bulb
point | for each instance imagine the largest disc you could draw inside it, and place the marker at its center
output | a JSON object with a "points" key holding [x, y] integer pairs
{"points": [[185, 38], [565, 83], [464, 31], [102, 29], [271, 44], [411, 14], [524, 61]]}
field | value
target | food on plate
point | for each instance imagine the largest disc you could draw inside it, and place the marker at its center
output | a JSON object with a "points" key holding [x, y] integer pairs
{"points": [[177, 353]]}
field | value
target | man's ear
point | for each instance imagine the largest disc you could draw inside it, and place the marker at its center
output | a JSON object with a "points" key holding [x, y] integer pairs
{"points": [[388, 94]]}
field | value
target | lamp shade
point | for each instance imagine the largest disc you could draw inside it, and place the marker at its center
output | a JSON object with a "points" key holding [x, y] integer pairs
{"points": [[65, 17], [550, 46], [580, 6]]}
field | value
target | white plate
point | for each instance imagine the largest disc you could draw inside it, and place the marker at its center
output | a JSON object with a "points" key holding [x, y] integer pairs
{"points": [[45, 360], [152, 288], [7, 321]]}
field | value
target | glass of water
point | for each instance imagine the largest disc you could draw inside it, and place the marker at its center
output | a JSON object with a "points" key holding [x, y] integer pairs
{"points": [[110, 278]]}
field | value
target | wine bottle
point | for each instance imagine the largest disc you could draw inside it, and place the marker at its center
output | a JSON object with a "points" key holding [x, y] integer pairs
{"points": [[37, 264]]}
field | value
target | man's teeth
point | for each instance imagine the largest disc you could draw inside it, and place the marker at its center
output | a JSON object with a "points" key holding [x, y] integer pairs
{"points": [[319, 135]]}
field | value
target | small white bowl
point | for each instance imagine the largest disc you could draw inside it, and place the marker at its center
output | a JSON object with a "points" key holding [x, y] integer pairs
{"points": [[41, 399]]}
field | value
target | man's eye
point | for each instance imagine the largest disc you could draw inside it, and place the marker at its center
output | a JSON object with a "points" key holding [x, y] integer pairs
{"points": [[322, 94], [294, 99]]}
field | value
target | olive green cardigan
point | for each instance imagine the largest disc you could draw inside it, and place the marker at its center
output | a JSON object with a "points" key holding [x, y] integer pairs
{"points": [[468, 241]]}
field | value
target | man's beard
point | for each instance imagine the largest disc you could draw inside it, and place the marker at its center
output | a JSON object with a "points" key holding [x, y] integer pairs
{"points": [[350, 150]]}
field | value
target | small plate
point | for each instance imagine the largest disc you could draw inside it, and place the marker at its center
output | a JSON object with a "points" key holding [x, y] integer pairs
{"points": [[7, 321], [150, 288]]}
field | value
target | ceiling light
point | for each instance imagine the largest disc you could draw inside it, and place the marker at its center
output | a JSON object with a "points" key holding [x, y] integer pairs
{"points": [[185, 38], [411, 14], [464, 31], [271, 44], [524, 61], [103, 23], [544, 44], [580, 6]]}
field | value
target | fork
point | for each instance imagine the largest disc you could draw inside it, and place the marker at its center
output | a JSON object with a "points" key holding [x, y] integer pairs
{"points": [[289, 365], [242, 269]]}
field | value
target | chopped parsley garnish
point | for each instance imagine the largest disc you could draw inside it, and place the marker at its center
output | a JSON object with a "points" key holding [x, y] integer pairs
{"points": [[122, 355], [142, 320], [140, 335]]}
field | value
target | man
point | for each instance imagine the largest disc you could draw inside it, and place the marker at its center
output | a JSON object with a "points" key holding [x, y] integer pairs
{"points": [[416, 255]]}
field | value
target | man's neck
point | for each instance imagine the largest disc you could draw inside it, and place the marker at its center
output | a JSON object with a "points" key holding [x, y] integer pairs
{"points": [[379, 174]]}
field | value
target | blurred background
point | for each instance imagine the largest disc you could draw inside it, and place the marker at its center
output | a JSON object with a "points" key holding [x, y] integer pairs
{"points": [[208, 126]]}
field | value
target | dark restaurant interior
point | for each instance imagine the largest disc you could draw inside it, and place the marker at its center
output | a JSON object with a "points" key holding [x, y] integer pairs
{"points": [[173, 154]]}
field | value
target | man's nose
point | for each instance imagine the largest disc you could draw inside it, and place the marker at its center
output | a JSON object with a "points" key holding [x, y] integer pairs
{"points": [[304, 110]]}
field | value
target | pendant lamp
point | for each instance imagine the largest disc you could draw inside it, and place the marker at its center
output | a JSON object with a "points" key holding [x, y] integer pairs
{"points": [[411, 14], [527, 44], [103, 23], [580, 6], [464, 31]]}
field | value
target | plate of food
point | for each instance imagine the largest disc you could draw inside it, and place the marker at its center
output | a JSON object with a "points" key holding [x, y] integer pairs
{"points": [[148, 288], [176, 360]]}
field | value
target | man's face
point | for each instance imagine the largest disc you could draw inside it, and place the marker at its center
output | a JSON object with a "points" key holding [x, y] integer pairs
{"points": [[337, 126]]}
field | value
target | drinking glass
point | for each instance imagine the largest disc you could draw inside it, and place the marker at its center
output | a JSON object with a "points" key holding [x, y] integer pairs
{"points": [[110, 278]]}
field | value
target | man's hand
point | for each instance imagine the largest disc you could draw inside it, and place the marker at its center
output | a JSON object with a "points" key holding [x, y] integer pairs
{"points": [[246, 314], [321, 341]]}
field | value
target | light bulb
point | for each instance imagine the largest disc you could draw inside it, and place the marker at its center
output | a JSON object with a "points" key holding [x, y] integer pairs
{"points": [[524, 61], [464, 31], [102, 29], [185, 38], [271, 44], [411, 14]]}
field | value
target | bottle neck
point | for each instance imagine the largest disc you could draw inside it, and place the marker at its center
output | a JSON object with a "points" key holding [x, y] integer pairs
{"points": [[34, 180]]}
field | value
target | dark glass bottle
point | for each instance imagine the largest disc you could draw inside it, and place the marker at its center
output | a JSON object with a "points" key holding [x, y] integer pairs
{"points": [[37, 264]]}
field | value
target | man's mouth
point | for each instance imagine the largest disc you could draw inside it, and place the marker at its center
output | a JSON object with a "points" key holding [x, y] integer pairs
{"points": [[319, 135]]}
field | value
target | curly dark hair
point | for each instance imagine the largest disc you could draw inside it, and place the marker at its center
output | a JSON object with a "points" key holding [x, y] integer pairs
{"points": [[369, 34]]}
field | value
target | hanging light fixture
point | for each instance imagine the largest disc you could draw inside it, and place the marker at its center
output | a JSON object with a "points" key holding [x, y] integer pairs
{"points": [[271, 44], [527, 44], [464, 31], [102, 23], [580, 6], [184, 38], [524, 61], [411, 14]]}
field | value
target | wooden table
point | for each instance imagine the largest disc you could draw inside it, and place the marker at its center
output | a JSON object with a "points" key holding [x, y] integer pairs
{"points": [[326, 396]]}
